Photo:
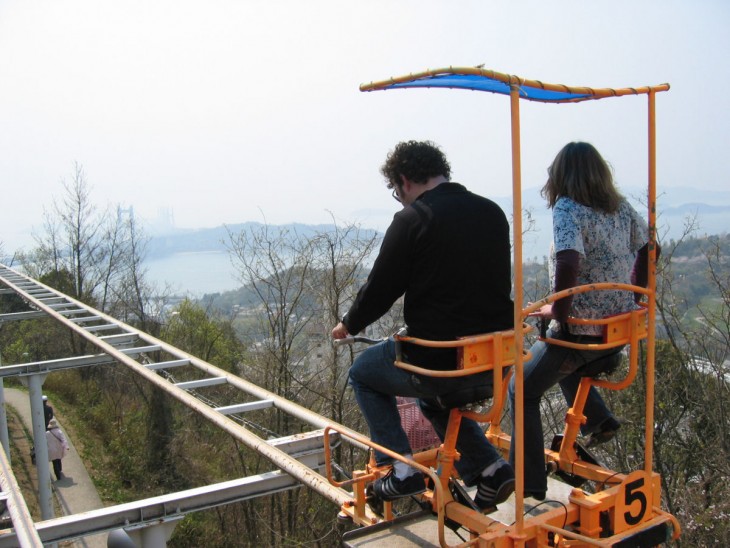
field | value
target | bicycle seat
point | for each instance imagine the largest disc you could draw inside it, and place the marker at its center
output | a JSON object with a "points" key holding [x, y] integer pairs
{"points": [[466, 395], [603, 366]]}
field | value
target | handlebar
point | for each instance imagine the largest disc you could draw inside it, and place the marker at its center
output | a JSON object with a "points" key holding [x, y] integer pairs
{"points": [[355, 339]]}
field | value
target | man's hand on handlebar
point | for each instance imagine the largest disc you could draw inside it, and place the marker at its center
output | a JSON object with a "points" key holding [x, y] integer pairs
{"points": [[341, 336], [340, 331]]}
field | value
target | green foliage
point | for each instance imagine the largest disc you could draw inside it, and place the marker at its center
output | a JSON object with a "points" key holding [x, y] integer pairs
{"points": [[12, 303], [696, 247], [31, 341], [60, 279], [228, 302], [193, 531], [691, 280], [191, 329], [128, 454]]}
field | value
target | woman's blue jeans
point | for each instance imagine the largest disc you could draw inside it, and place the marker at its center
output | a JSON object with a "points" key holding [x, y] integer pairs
{"points": [[549, 365], [377, 381]]}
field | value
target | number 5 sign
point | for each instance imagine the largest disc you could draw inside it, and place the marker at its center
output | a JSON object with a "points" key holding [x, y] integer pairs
{"points": [[634, 501]]}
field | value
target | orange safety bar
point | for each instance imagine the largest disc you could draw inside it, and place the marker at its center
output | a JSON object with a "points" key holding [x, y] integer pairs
{"points": [[478, 353], [618, 330]]}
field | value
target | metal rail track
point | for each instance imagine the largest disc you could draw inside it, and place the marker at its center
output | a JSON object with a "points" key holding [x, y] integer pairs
{"points": [[121, 343]]}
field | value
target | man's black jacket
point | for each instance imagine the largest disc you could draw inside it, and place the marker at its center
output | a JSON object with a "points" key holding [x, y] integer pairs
{"points": [[449, 252]]}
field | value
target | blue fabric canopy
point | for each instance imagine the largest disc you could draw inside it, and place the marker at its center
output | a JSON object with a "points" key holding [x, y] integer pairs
{"points": [[479, 79], [484, 83]]}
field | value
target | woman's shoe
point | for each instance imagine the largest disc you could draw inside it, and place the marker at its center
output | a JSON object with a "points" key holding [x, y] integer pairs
{"points": [[606, 433]]}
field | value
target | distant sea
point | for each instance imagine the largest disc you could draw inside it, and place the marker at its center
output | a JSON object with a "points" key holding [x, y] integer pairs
{"points": [[193, 274], [196, 273]]}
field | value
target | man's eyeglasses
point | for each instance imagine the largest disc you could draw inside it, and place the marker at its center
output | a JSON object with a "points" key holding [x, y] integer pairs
{"points": [[395, 195]]}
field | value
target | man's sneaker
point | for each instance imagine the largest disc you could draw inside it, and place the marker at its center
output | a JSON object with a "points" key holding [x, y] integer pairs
{"points": [[389, 487], [496, 488]]}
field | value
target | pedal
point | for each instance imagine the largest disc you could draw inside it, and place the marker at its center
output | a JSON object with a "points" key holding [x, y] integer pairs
{"points": [[583, 454], [375, 503], [462, 497], [586, 455]]}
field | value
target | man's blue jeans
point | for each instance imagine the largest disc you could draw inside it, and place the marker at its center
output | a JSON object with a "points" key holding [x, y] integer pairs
{"points": [[377, 381], [549, 365]]}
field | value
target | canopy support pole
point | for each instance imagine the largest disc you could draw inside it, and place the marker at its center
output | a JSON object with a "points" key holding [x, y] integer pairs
{"points": [[518, 426], [650, 350]]}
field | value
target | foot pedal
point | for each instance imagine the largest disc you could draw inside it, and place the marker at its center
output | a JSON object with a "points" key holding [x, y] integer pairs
{"points": [[375, 503], [462, 497], [583, 454]]}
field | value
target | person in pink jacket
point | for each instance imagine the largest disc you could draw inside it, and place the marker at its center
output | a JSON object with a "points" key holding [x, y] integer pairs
{"points": [[57, 447]]}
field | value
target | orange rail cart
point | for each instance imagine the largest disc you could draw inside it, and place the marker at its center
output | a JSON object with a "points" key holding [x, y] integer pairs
{"points": [[626, 511]]}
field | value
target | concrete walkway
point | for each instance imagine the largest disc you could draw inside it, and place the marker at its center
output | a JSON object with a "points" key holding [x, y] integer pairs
{"points": [[76, 492]]}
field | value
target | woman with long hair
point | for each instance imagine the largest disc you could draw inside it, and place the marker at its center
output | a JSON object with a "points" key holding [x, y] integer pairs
{"points": [[597, 237]]}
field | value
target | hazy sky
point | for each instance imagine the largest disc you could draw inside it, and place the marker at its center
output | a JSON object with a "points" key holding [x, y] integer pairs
{"points": [[249, 110]]}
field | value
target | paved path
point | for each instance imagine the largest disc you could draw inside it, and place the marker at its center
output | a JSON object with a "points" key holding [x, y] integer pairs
{"points": [[76, 492]]}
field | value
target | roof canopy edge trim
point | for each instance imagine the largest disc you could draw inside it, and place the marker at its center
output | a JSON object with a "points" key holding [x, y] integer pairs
{"points": [[479, 79]]}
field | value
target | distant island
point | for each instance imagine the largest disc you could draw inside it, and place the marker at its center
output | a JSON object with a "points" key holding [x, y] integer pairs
{"points": [[213, 239]]}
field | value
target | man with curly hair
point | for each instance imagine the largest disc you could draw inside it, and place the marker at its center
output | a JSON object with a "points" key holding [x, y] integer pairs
{"points": [[448, 253]]}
